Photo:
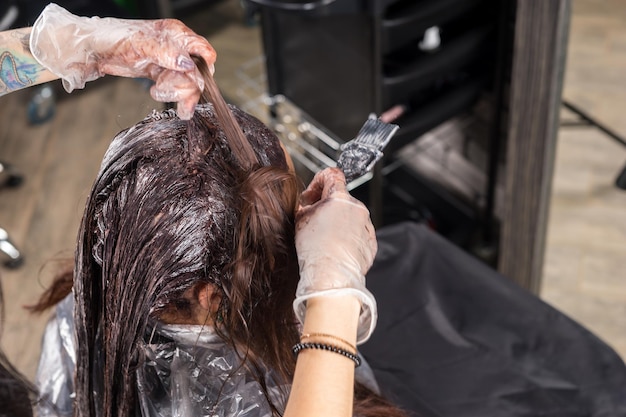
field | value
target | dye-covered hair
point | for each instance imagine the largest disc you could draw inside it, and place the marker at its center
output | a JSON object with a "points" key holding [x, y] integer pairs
{"points": [[169, 210]]}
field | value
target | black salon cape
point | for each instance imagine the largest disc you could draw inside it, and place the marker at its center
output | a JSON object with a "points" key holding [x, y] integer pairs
{"points": [[455, 338]]}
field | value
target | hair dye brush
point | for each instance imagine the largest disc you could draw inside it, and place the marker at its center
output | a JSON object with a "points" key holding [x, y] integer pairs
{"points": [[359, 155]]}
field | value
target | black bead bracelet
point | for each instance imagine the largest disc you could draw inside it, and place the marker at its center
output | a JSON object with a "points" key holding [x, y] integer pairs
{"points": [[335, 349]]}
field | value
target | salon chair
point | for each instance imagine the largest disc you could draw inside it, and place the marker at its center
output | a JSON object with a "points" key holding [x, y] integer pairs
{"points": [[456, 339]]}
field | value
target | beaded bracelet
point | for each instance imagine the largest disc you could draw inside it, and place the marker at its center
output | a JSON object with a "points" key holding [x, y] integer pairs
{"points": [[335, 349], [329, 336]]}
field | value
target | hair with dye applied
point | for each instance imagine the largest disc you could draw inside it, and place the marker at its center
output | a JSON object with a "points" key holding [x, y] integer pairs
{"points": [[173, 209]]}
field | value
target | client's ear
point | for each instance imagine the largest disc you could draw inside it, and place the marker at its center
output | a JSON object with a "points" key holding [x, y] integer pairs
{"points": [[209, 297], [199, 306]]}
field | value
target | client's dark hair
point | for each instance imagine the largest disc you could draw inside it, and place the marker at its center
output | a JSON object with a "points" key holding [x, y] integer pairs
{"points": [[173, 209], [170, 210]]}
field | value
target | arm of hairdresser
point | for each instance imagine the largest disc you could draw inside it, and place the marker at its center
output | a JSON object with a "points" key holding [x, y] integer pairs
{"points": [[336, 244], [80, 49]]}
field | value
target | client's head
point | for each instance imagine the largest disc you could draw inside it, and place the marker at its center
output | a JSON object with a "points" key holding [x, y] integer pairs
{"points": [[175, 230]]}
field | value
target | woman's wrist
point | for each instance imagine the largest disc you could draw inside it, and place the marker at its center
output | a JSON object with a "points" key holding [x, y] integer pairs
{"points": [[368, 311], [333, 315], [323, 382]]}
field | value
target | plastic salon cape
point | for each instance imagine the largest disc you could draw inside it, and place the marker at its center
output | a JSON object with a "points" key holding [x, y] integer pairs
{"points": [[454, 339], [188, 371]]}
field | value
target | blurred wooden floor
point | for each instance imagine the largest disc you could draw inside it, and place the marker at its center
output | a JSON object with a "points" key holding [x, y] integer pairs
{"points": [[586, 254]]}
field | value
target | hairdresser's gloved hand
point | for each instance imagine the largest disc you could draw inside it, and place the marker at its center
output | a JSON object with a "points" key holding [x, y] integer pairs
{"points": [[336, 245], [81, 49]]}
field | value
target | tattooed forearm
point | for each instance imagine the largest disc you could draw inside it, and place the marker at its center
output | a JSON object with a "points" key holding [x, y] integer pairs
{"points": [[13, 76], [18, 68]]}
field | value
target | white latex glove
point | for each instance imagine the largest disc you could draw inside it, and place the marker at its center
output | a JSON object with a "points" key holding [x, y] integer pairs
{"points": [[81, 49], [336, 245]]}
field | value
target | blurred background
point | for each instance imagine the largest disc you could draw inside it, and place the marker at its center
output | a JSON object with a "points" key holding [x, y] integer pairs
{"points": [[510, 142]]}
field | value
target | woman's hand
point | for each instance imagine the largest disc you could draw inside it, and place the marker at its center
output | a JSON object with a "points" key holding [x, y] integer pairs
{"points": [[336, 245], [80, 49]]}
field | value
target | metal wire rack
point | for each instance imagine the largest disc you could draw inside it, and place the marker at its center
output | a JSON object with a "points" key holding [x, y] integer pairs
{"points": [[312, 147], [448, 155]]}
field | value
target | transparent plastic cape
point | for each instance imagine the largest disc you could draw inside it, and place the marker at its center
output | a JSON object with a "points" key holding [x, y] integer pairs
{"points": [[55, 373], [188, 371]]}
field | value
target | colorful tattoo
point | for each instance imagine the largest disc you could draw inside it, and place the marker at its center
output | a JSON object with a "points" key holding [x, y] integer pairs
{"points": [[15, 75], [18, 68]]}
